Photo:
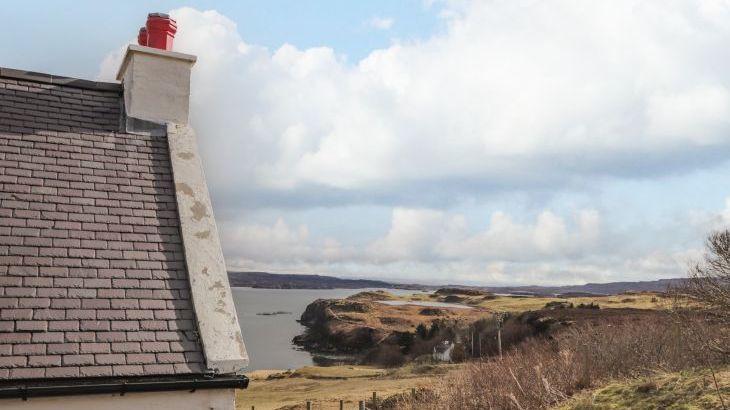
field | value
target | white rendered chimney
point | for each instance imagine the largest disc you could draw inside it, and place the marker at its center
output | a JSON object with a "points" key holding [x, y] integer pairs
{"points": [[156, 79]]}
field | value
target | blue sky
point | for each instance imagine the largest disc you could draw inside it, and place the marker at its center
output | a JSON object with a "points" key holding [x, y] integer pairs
{"points": [[483, 142], [87, 29]]}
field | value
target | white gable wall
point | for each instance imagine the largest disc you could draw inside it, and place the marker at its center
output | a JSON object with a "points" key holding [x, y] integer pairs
{"points": [[213, 399]]}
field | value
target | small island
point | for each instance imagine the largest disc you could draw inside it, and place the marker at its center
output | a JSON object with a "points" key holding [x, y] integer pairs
{"points": [[279, 312]]}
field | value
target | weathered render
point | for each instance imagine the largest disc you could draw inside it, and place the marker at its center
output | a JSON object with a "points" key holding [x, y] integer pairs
{"points": [[211, 292], [156, 84]]}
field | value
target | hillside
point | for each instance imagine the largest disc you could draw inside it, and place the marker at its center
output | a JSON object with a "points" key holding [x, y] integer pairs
{"points": [[296, 281], [282, 281], [610, 288]]}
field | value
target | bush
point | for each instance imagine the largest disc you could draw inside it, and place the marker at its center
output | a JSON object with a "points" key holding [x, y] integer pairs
{"points": [[558, 305], [708, 285], [422, 331], [540, 373], [588, 306], [386, 355]]}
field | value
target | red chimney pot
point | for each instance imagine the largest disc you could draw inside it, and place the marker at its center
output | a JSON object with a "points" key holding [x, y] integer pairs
{"points": [[159, 32], [142, 36]]}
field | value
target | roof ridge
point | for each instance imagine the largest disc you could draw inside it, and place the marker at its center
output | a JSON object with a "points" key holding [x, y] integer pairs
{"points": [[59, 80]]}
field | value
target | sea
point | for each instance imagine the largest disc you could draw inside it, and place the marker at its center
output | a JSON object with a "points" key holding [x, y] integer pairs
{"points": [[268, 319]]}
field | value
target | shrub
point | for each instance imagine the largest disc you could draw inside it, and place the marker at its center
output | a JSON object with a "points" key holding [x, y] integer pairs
{"points": [[430, 312], [709, 280], [708, 285], [434, 330], [558, 305], [588, 306], [540, 373], [386, 355], [422, 331]]}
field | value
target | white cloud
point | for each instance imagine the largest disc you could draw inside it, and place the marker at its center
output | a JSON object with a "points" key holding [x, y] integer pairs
{"points": [[722, 219], [701, 222], [417, 234], [278, 243], [381, 23], [435, 243], [511, 96], [426, 235], [433, 246]]}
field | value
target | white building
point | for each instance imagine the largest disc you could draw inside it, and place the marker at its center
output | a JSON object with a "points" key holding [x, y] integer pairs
{"points": [[442, 351]]}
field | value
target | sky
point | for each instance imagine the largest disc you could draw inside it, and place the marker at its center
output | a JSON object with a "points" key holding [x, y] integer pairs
{"points": [[478, 142]]}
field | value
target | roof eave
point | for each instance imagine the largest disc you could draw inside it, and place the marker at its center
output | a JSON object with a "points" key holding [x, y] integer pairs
{"points": [[26, 389]]}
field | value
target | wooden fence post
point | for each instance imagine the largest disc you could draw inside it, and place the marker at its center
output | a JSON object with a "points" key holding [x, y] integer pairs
{"points": [[309, 405], [362, 405], [375, 401], [342, 405], [500, 316]]}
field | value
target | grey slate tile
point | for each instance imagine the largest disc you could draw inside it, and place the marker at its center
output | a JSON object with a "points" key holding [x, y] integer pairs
{"points": [[92, 276]]}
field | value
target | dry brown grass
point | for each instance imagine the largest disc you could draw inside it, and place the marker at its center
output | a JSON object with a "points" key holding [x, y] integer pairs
{"points": [[636, 300], [324, 387], [403, 318], [688, 389], [540, 374]]}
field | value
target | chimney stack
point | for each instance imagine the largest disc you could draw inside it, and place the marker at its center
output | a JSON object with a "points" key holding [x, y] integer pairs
{"points": [[156, 79]]}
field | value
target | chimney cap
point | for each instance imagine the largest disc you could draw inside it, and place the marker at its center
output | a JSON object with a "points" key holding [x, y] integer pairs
{"points": [[158, 32], [133, 49]]}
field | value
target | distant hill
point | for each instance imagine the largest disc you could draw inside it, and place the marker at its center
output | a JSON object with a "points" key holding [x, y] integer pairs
{"points": [[610, 288], [282, 281], [289, 281]]}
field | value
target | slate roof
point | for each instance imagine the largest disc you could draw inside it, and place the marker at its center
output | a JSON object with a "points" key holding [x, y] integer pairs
{"points": [[92, 274]]}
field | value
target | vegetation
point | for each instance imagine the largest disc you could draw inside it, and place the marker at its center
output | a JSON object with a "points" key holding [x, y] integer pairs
{"points": [[644, 300], [326, 386], [635, 350], [357, 325], [709, 288], [709, 281], [690, 339], [540, 373], [477, 338], [688, 389], [462, 292], [385, 335], [635, 300]]}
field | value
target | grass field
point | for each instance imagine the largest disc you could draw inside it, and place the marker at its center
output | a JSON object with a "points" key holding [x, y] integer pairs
{"points": [[326, 386], [672, 391], [634, 301], [645, 300]]}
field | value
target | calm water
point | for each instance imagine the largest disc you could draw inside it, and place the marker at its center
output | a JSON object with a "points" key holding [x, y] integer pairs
{"points": [[268, 337], [424, 303]]}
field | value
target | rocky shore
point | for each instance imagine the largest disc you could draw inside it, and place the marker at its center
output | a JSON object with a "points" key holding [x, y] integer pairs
{"points": [[356, 325]]}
